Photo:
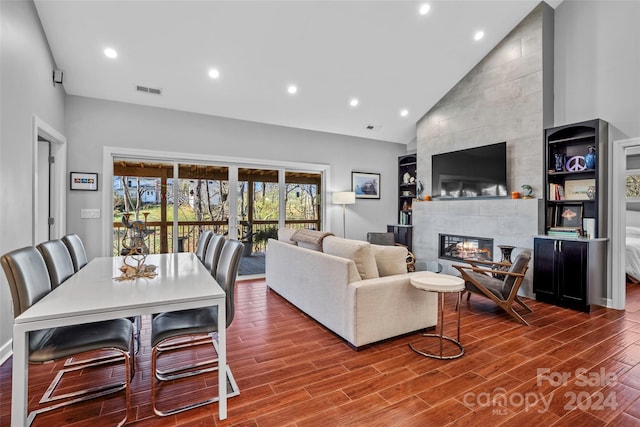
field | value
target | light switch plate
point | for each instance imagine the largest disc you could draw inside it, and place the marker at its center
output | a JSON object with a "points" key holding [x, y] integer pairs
{"points": [[90, 213]]}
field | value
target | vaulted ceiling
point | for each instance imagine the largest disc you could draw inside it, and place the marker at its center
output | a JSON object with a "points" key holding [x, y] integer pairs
{"points": [[385, 54]]}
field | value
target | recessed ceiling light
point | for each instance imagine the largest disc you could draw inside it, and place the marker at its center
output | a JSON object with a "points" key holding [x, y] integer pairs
{"points": [[404, 113], [424, 9], [110, 53], [354, 102], [292, 89], [479, 35], [214, 73]]}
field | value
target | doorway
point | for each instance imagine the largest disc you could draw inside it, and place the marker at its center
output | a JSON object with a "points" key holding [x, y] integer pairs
{"points": [[621, 151], [49, 183]]}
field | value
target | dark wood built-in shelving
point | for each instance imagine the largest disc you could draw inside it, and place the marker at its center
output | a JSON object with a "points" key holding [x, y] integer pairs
{"points": [[570, 265], [407, 191]]}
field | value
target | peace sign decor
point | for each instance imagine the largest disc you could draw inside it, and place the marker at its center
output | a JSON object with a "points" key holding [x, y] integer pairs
{"points": [[575, 163]]}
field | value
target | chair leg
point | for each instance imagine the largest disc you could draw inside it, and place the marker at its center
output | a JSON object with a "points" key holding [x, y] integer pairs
{"points": [[525, 306], [88, 394], [459, 300], [515, 315], [232, 387], [188, 370]]}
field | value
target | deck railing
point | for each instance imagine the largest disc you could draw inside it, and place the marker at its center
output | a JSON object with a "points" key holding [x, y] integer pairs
{"points": [[189, 233]]}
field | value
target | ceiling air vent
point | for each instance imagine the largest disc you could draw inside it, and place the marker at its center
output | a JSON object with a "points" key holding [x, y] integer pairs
{"points": [[150, 90]]}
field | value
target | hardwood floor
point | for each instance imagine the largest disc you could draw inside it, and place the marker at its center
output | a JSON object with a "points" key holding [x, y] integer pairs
{"points": [[293, 372]]}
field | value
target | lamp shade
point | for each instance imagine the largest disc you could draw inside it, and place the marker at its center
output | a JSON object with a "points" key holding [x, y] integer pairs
{"points": [[343, 198]]}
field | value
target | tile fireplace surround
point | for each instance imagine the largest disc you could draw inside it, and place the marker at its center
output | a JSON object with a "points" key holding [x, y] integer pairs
{"points": [[507, 221]]}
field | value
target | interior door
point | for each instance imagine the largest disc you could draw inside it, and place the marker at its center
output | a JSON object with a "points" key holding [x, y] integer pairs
{"points": [[45, 170]]}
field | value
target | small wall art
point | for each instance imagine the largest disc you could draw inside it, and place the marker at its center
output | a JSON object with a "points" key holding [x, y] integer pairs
{"points": [[366, 185], [85, 181]]}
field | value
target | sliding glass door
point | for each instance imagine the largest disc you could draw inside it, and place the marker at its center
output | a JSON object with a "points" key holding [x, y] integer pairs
{"points": [[177, 201]]}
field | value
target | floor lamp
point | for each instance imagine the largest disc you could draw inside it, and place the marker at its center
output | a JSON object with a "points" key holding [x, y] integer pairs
{"points": [[344, 198]]}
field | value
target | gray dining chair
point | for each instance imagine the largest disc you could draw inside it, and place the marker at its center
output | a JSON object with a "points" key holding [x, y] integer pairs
{"points": [[29, 282], [76, 250], [212, 254], [58, 266], [58, 261], [195, 323], [201, 247]]}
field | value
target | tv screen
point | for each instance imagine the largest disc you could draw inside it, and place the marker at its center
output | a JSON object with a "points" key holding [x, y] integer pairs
{"points": [[474, 172]]}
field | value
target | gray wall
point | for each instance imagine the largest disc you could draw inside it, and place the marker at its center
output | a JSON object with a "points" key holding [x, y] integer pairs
{"points": [[92, 124], [26, 66], [500, 99], [506, 97], [597, 64]]}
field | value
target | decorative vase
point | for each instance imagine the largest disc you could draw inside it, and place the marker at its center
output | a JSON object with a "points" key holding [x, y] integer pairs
{"points": [[590, 157], [559, 162]]}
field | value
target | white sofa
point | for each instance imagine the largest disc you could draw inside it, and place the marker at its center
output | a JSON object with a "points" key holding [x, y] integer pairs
{"points": [[339, 286]]}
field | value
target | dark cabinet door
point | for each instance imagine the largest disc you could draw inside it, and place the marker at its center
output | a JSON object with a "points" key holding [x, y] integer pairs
{"points": [[572, 273], [560, 272], [544, 261]]}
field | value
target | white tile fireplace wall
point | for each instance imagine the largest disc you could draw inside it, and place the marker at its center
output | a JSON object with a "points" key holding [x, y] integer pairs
{"points": [[507, 221]]}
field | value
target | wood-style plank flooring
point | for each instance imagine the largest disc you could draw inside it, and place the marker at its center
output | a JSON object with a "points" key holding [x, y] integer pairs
{"points": [[293, 372]]}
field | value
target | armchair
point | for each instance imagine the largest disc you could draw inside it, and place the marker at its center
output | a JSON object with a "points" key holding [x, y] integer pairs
{"points": [[500, 286]]}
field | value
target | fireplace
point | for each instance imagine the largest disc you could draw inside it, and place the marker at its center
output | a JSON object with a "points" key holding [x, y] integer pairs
{"points": [[456, 248]]}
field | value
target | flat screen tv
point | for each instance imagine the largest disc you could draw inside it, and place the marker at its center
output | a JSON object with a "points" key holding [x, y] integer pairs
{"points": [[474, 172]]}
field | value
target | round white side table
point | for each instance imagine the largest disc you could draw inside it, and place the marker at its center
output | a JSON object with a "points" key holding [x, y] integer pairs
{"points": [[442, 284]]}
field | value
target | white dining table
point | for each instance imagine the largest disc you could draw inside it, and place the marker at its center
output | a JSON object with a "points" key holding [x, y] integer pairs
{"points": [[92, 294]]}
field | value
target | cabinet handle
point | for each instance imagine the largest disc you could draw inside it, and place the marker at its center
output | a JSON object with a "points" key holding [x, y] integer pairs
{"points": [[560, 246], [555, 245]]}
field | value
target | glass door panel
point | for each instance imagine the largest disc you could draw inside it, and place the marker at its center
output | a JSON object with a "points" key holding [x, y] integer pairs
{"points": [[258, 212], [203, 203], [140, 194], [302, 200]]}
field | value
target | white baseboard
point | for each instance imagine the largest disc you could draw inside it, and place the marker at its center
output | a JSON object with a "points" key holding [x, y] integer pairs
{"points": [[6, 352], [604, 302]]}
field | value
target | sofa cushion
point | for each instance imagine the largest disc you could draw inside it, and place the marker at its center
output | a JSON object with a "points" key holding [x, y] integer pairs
{"points": [[358, 251], [390, 260], [284, 235]]}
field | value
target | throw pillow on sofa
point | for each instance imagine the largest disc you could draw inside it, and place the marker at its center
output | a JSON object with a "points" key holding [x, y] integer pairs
{"points": [[390, 260], [309, 239], [357, 251]]}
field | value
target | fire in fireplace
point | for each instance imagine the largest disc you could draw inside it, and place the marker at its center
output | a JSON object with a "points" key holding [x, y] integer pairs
{"points": [[456, 248]]}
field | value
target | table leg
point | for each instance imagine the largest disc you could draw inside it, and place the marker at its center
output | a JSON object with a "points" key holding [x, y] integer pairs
{"points": [[20, 376], [441, 336], [458, 310], [222, 360], [441, 321]]}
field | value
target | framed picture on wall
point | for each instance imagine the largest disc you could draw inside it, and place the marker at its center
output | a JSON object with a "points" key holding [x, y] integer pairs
{"points": [[85, 181], [366, 185]]}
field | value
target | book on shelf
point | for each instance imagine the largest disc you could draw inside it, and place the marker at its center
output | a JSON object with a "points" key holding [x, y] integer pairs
{"points": [[558, 228], [556, 192], [405, 218], [565, 231]]}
